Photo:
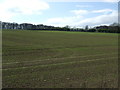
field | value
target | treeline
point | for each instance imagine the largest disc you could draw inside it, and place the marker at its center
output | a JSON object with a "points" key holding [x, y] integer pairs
{"points": [[113, 28]]}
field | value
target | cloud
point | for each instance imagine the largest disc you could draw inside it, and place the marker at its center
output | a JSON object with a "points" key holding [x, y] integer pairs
{"points": [[11, 8], [78, 20], [104, 11], [79, 12], [82, 1], [110, 0], [62, 21], [84, 6], [101, 19]]}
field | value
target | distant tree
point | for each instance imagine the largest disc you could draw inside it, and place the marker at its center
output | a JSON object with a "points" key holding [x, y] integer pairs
{"points": [[66, 28], [114, 24], [92, 30], [0, 25], [113, 28], [86, 28]]}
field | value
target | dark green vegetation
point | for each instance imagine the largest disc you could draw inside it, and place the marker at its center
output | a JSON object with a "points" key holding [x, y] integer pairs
{"points": [[113, 28], [54, 59]]}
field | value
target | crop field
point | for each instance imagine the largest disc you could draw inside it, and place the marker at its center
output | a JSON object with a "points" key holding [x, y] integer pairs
{"points": [[59, 59]]}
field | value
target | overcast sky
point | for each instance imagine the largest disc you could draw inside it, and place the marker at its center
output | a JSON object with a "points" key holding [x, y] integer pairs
{"points": [[60, 12]]}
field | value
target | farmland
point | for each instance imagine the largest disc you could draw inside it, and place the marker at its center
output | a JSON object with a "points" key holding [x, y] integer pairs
{"points": [[59, 59]]}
